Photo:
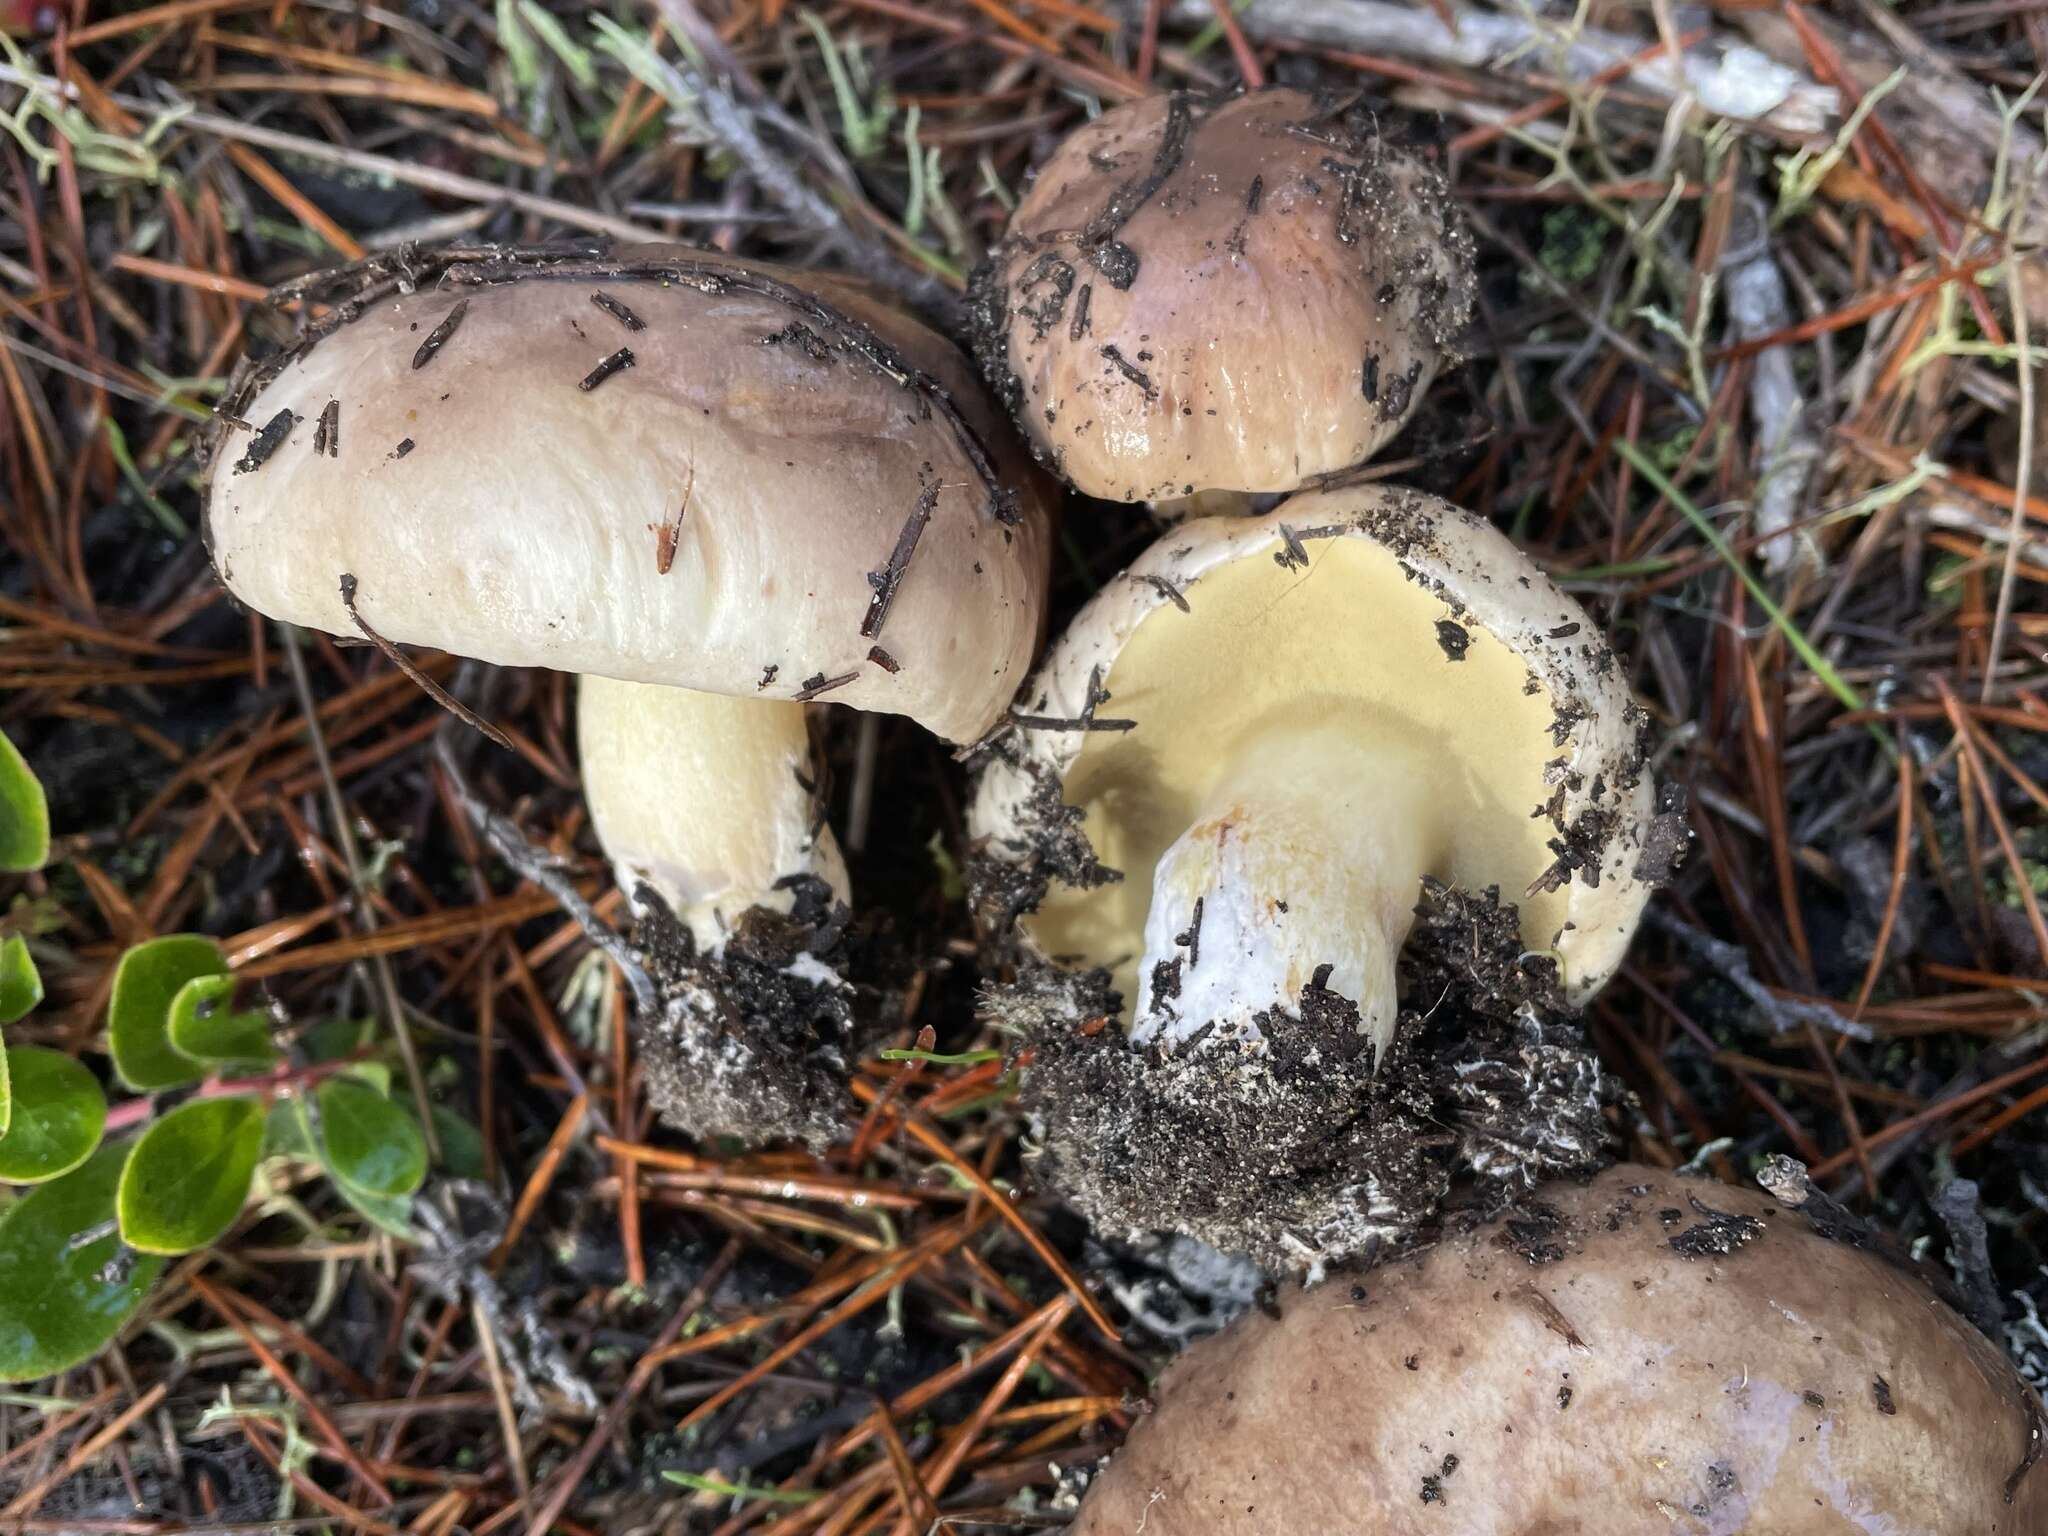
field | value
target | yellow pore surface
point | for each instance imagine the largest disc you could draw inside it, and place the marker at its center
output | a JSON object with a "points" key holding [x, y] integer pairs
{"points": [[1347, 646]]}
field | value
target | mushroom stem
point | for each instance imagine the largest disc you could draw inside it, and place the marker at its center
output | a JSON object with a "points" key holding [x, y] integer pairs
{"points": [[1307, 853], [709, 800]]}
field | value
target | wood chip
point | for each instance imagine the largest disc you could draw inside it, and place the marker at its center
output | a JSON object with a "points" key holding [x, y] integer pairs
{"points": [[327, 431], [890, 576], [818, 683], [266, 442], [618, 311], [437, 338], [618, 362]]}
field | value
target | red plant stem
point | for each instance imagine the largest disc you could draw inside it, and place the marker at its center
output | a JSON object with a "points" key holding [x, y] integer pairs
{"points": [[270, 1084]]}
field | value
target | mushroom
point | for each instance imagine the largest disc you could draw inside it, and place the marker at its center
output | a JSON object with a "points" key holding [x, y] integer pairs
{"points": [[1234, 776], [1313, 710], [1222, 295], [716, 489], [1645, 1352]]}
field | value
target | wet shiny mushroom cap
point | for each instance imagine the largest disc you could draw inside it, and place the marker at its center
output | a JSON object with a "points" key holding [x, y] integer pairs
{"points": [[1222, 296], [1642, 1353], [651, 463]]}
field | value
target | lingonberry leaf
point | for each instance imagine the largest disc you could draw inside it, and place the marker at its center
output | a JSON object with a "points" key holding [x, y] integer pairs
{"points": [[24, 814], [146, 982], [57, 1117], [189, 1175], [62, 1300], [370, 1143], [21, 985], [206, 1027]]}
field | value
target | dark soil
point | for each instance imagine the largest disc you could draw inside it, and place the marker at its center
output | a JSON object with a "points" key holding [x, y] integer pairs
{"points": [[1308, 1152], [744, 1046]]}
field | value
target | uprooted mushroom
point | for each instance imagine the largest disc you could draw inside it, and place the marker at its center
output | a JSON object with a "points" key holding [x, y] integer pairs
{"points": [[718, 491], [1207, 296], [1644, 1352], [1231, 783]]}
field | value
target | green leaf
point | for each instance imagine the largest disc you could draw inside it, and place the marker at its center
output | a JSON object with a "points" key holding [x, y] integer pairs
{"points": [[146, 982], [393, 1213], [6, 1094], [21, 985], [59, 1113], [189, 1175], [290, 1133], [332, 1039], [24, 814], [205, 1027], [371, 1143], [462, 1144], [375, 1073], [62, 1304]]}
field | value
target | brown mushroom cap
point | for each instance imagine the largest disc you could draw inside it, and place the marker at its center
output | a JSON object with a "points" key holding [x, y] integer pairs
{"points": [[1205, 297], [1650, 1353], [651, 463]]}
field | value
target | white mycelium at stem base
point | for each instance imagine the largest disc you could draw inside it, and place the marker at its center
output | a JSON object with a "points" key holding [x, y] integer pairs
{"points": [[1308, 853], [703, 797]]}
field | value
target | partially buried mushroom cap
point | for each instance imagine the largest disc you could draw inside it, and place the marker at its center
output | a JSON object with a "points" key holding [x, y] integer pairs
{"points": [[1222, 295], [1644, 1353], [650, 463]]}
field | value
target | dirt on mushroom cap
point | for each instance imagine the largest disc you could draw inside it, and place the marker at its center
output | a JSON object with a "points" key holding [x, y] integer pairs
{"points": [[1642, 1352], [1236, 294], [655, 463]]}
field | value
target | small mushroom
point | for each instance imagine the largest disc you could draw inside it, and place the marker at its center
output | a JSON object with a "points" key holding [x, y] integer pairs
{"points": [[1222, 295], [716, 489], [1274, 728], [1646, 1352]]}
